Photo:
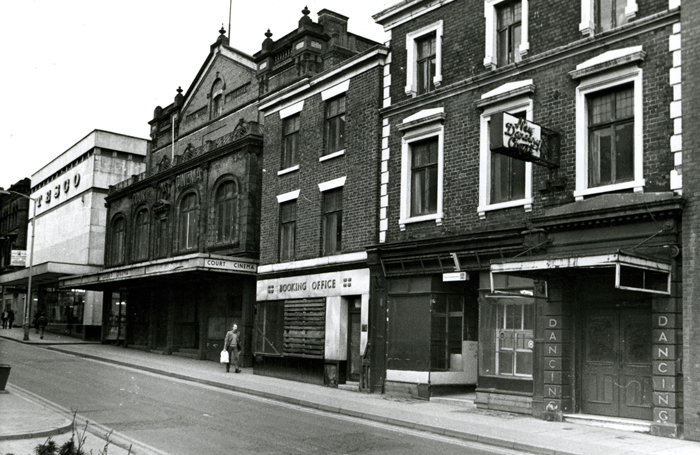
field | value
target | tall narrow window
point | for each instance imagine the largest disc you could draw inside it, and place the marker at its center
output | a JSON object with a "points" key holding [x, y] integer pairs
{"points": [[332, 221], [611, 137], [425, 71], [161, 238], [335, 124], [509, 32], [141, 232], [217, 105], [507, 176], [424, 177], [288, 226], [290, 145], [188, 222], [118, 240], [610, 14], [226, 213]]}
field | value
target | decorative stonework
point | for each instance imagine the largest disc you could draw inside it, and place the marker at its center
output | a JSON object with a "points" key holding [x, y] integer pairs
{"points": [[674, 46]]}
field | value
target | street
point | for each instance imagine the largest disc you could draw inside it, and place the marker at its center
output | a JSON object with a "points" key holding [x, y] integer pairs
{"points": [[180, 417]]}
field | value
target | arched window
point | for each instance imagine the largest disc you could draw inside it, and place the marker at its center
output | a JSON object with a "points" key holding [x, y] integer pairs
{"points": [[188, 222], [217, 98], [118, 240], [141, 232], [226, 213]]}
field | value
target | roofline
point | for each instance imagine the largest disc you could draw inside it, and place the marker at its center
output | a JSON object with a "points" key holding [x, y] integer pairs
{"points": [[406, 10]]}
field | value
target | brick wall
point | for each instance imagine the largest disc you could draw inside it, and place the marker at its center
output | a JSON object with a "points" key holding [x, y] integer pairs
{"points": [[359, 164]]}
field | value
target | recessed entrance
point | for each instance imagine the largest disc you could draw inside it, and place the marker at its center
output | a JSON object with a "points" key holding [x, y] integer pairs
{"points": [[616, 362], [354, 331]]}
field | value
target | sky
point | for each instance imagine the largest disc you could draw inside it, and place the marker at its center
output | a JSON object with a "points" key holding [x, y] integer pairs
{"points": [[70, 66]]}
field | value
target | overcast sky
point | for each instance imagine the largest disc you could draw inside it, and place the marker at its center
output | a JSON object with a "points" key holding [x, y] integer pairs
{"points": [[69, 66]]}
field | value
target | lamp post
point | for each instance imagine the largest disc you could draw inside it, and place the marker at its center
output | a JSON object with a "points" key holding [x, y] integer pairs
{"points": [[28, 300]]}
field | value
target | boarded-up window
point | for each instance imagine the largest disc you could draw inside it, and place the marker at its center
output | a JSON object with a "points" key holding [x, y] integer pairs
{"points": [[305, 328]]}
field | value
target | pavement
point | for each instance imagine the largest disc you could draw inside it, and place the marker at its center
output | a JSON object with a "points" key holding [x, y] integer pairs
{"points": [[33, 418]]}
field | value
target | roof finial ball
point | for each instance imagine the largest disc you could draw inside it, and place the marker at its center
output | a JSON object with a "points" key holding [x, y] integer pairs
{"points": [[305, 19], [222, 31]]}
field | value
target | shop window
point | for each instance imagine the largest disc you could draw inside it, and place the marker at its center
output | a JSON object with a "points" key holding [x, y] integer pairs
{"points": [[270, 328], [141, 232], [424, 57], [226, 213], [447, 330], [509, 32], [504, 181], [507, 39], [506, 338], [290, 141], [335, 124], [287, 232], [188, 225], [118, 241], [332, 221]]}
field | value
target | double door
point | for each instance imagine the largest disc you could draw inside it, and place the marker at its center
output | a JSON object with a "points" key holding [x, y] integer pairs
{"points": [[616, 371]]}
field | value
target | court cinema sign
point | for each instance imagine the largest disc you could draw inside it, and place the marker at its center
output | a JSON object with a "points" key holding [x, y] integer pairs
{"points": [[523, 140]]}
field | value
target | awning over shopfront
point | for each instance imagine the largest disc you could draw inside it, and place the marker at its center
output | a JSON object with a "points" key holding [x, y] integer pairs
{"points": [[47, 273], [193, 264], [632, 272]]}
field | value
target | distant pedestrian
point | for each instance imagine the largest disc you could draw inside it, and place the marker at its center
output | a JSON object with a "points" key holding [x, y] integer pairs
{"points": [[11, 317], [35, 321], [5, 315], [42, 322], [232, 343]]}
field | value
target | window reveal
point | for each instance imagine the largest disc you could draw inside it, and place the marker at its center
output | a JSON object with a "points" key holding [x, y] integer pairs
{"points": [[188, 222], [290, 145], [509, 32], [425, 63], [288, 221], [226, 213], [332, 221], [424, 176], [335, 124], [611, 137]]}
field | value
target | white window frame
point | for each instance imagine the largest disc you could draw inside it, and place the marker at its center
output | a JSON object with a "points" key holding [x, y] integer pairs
{"points": [[587, 25], [412, 54], [590, 85], [514, 105], [491, 55], [432, 127]]}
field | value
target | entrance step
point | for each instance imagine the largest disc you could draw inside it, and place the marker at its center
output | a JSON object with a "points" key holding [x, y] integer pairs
{"points": [[350, 385], [463, 400], [617, 423]]}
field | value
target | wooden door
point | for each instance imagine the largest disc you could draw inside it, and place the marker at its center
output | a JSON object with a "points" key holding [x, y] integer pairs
{"points": [[354, 358], [616, 377]]}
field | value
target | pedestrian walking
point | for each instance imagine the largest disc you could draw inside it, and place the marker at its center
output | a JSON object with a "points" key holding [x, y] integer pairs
{"points": [[35, 321], [4, 319], [232, 343], [11, 317], [42, 322]]}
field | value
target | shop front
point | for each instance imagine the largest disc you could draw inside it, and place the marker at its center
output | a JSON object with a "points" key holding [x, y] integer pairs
{"points": [[313, 328], [181, 306]]}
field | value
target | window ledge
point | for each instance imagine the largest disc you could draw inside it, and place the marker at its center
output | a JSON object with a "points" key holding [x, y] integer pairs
{"points": [[288, 170], [332, 155], [637, 186], [417, 219], [525, 203]]}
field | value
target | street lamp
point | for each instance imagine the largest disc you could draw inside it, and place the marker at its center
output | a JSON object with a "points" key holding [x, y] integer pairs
{"points": [[28, 300]]}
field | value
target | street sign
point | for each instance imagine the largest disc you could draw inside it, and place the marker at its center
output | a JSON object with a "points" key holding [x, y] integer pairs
{"points": [[455, 276]]}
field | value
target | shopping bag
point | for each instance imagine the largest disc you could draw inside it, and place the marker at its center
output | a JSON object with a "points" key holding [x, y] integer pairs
{"points": [[224, 356]]}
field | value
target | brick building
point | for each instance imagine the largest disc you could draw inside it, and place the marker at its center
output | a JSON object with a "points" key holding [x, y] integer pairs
{"points": [[14, 214], [182, 236], [530, 216], [320, 97]]}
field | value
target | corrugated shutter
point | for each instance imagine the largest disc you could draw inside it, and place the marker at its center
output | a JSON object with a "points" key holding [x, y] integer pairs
{"points": [[305, 328]]}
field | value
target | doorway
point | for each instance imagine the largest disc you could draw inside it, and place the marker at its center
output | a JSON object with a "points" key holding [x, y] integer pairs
{"points": [[616, 377], [354, 331]]}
